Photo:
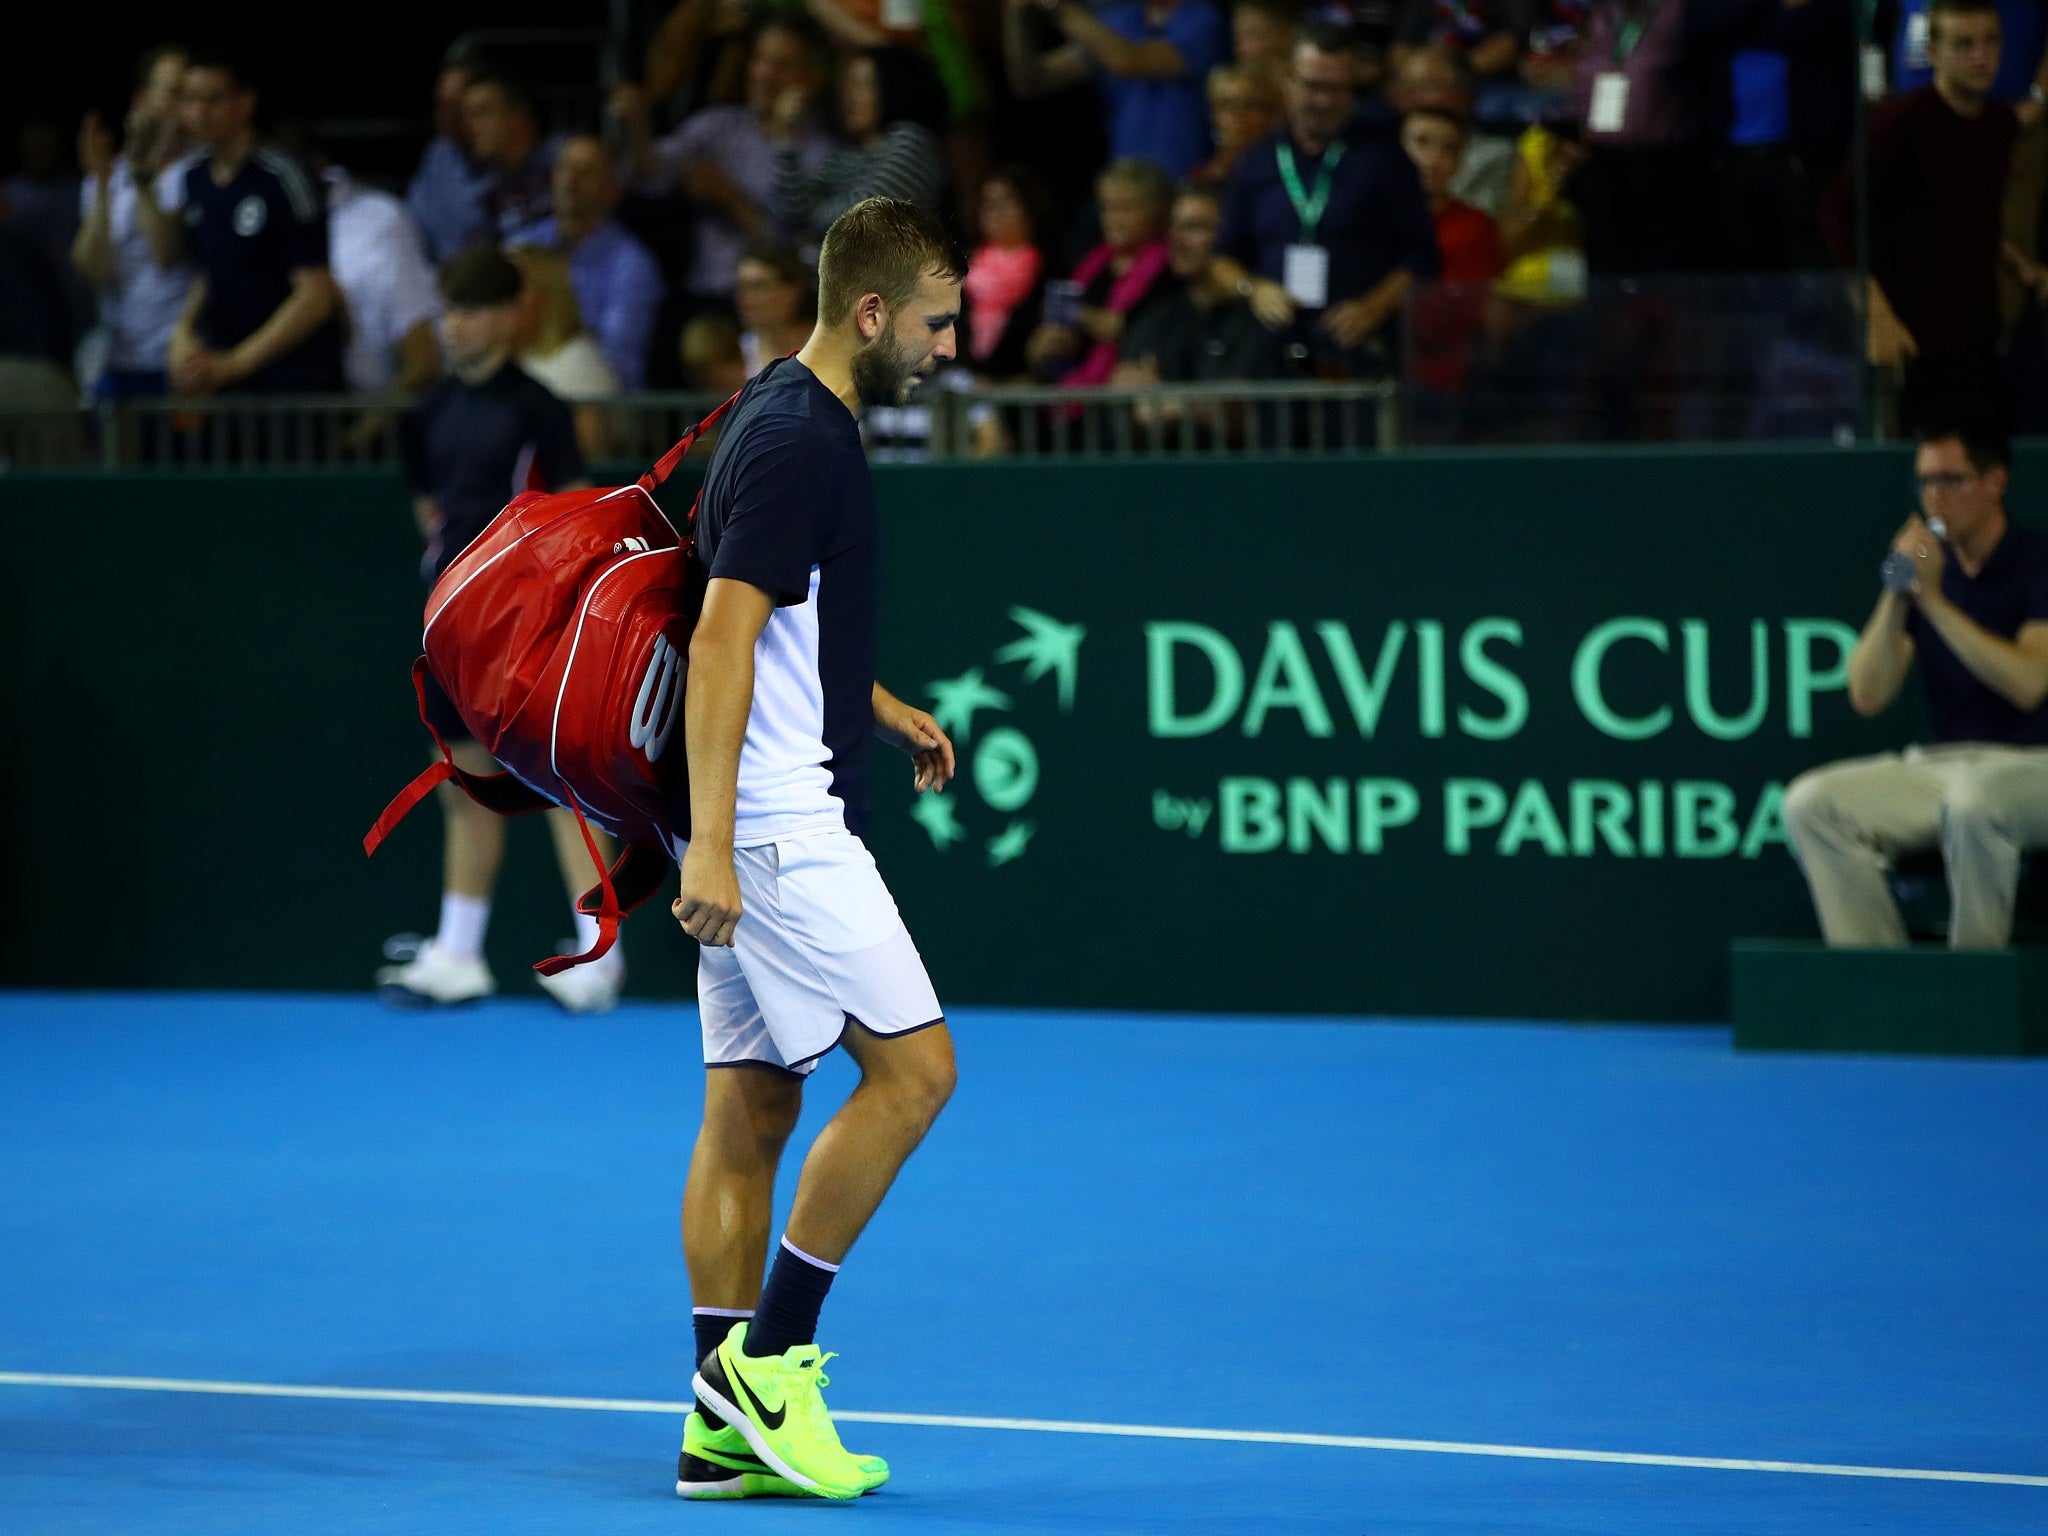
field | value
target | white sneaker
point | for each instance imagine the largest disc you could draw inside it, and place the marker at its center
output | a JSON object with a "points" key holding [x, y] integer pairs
{"points": [[435, 979], [592, 988]]}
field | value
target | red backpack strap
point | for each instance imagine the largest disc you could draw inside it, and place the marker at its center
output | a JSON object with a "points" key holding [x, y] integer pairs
{"points": [[498, 792], [666, 464], [642, 869]]}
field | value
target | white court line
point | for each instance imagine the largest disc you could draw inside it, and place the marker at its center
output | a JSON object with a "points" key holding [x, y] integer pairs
{"points": [[1041, 1426]]}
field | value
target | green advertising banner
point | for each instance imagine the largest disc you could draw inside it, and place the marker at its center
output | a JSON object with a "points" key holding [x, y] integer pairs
{"points": [[1472, 735], [1502, 737]]}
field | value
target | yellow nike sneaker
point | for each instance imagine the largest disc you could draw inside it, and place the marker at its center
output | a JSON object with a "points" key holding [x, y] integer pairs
{"points": [[719, 1464], [777, 1403]]}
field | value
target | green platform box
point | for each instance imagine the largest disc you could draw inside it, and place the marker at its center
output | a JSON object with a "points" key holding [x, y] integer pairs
{"points": [[1927, 999]]}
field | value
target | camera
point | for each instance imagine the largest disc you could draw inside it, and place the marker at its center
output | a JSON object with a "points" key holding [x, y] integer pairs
{"points": [[1063, 302]]}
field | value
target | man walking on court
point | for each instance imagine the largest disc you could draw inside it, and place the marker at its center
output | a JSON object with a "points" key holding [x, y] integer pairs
{"points": [[802, 948]]}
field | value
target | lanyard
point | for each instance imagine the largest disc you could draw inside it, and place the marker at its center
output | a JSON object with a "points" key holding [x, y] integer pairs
{"points": [[1630, 32], [1309, 206]]}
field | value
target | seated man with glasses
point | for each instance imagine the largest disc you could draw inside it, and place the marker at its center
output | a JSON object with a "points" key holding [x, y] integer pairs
{"points": [[1966, 594]]}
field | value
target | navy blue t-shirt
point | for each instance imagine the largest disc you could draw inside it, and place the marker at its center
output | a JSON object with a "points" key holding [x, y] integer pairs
{"points": [[246, 238], [1377, 217], [2011, 591], [788, 507], [473, 447]]}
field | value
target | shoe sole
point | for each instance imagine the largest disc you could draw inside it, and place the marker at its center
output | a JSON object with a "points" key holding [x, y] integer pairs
{"points": [[729, 1411], [733, 1487], [720, 1479], [736, 1487]]}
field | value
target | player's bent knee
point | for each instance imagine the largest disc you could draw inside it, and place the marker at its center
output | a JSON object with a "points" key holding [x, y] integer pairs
{"points": [[916, 1068], [937, 1076], [753, 1104]]}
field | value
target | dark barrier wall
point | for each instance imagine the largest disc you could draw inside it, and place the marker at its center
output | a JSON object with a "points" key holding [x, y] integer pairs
{"points": [[1489, 735]]}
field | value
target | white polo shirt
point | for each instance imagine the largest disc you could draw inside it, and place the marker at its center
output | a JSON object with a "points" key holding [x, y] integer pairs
{"points": [[380, 264], [139, 308]]}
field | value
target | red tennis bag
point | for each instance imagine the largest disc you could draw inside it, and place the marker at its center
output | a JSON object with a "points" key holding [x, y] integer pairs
{"points": [[562, 634]]}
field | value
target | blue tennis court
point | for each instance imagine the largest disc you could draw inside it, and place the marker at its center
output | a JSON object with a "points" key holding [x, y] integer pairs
{"points": [[1312, 1237]]}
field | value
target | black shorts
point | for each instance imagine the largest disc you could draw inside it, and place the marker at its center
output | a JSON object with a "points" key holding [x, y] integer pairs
{"points": [[441, 714]]}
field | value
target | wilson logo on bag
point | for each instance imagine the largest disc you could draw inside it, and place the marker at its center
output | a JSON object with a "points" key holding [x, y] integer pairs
{"points": [[562, 634]]}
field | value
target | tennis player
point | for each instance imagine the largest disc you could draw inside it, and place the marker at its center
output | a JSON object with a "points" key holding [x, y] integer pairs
{"points": [[802, 949]]}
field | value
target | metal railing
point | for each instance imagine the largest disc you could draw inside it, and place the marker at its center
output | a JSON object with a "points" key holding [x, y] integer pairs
{"points": [[251, 435], [1165, 420], [237, 434]]}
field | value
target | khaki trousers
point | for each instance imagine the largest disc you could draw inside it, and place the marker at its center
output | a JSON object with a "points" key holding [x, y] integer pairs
{"points": [[1983, 806]]}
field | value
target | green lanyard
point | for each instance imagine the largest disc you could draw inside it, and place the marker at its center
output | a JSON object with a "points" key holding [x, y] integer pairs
{"points": [[1309, 206], [1631, 31]]}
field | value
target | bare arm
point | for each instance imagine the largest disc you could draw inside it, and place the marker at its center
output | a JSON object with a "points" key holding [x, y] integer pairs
{"points": [[628, 109], [1033, 73], [930, 749], [311, 303], [419, 359], [183, 339], [672, 51], [844, 29], [1889, 343], [1269, 301], [593, 433], [160, 226], [1881, 657], [1495, 53], [1354, 321], [92, 252], [2016, 669], [1153, 59], [717, 699], [709, 182]]}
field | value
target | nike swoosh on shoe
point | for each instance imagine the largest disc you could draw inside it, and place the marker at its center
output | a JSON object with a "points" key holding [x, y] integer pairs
{"points": [[769, 1420]]}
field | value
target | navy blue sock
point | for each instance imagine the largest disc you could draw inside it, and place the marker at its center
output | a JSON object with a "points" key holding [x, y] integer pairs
{"points": [[790, 1302], [712, 1327]]}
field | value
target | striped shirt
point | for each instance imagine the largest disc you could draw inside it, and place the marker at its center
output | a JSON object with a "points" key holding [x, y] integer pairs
{"points": [[905, 162]]}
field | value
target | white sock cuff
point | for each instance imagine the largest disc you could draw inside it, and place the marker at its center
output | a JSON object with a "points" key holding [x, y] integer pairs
{"points": [[830, 1269], [734, 1312], [464, 922]]}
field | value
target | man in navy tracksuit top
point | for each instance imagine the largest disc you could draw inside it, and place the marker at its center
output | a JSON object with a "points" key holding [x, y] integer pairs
{"points": [[264, 316]]}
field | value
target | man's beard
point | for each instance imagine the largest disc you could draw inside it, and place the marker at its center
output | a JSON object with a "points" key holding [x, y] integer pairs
{"points": [[882, 372]]}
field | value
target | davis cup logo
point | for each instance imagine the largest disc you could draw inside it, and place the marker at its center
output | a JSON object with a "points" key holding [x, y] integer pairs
{"points": [[1002, 765]]}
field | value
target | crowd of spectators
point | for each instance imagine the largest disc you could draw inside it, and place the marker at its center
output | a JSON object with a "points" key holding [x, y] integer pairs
{"points": [[1152, 190]]}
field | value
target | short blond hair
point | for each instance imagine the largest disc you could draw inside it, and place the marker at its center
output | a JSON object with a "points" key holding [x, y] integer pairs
{"points": [[1142, 179], [882, 246], [1260, 76], [558, 317], [709, 340]]}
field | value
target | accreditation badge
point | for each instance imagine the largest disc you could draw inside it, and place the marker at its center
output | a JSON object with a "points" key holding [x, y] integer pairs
{"points": [[1608, 109], [1305, 274]]}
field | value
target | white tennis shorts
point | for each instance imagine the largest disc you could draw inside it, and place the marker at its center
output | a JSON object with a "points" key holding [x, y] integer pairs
{"points": [[819, 945]]}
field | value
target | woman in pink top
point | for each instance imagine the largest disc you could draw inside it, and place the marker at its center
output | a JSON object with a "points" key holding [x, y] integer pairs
{"points": [[1080, 348], [1005, 284]]}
